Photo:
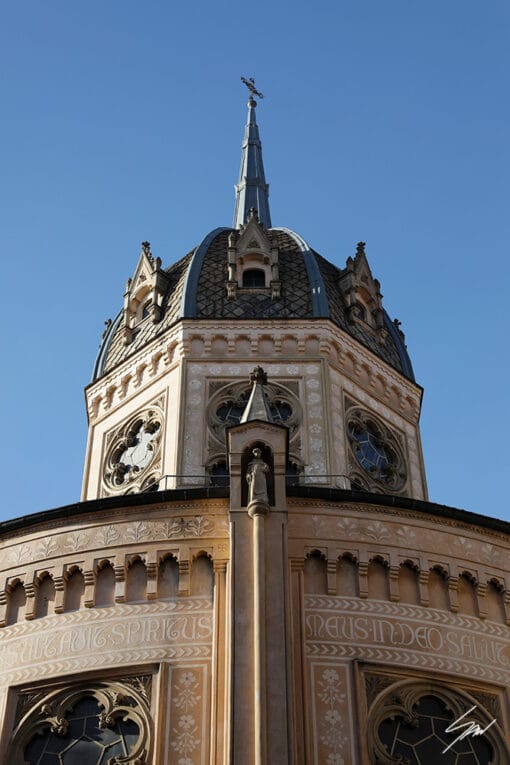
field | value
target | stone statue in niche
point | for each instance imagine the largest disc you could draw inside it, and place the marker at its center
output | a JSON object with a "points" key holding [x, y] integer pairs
{"points": [[256, 479]]}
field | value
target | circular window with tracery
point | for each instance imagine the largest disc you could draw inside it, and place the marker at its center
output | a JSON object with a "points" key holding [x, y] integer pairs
{"points": [[376, 451], [132, 458], [228, 404]]}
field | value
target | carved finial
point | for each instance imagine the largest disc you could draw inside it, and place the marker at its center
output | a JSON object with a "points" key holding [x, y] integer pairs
{"points": [[250, 84], [107, 325], [259, 376], [146, 248], [360, 248], [253, 214]]}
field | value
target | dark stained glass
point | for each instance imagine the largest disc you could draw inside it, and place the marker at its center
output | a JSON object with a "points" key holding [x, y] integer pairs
{"points": [[423, 740], [84, 742], [373, 456]]}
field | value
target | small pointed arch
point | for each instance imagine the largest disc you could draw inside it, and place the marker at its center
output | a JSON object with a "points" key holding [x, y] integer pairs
{"points": [[347, 579], [350, 360], [136, 580], [202, 575], [105, 584], [365, 372], [74, 589], [290, 345], [378, 578], [168, 576], [468, 601], [439, 594], [408, 583], [16, 602], [266, 344], [381, 385], [45, 595], [316, 573], [243, 345], [495, 601], [312, 344]]}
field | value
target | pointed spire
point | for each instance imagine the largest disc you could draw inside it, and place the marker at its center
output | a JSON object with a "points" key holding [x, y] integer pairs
{"points": [[257, 407], [252, 191]]}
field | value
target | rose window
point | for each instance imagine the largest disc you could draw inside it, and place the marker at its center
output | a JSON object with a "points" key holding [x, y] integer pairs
{"points": [[377, 451], [133, 454]]}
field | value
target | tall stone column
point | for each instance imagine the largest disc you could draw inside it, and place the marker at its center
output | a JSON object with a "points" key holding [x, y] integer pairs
{"points": [[261, 730]]}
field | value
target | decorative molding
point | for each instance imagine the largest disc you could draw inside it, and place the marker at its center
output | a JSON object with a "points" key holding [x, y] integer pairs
{"points": [[165, 351]]}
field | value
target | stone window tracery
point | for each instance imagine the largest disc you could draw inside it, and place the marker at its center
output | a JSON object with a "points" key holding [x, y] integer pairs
{"points": [[132, 461], [225, 409], [96, 724], [377, 457], [407, 726]]}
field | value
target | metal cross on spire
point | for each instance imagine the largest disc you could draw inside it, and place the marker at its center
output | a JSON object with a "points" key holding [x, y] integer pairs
{"points": [[250, 84]]}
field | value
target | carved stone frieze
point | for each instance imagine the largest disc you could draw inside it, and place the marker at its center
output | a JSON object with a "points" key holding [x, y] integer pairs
{"points": [[403, 635]]}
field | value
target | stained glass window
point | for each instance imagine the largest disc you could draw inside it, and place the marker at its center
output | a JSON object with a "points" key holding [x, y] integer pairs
{"points": [[422, 740], [371, 453], [83, 738]]}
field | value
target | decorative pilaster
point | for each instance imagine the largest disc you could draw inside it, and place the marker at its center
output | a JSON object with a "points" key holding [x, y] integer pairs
{"points": [[120, 582], [363, 579], [59, 583], [423, 584], [89, 578], [332, 565], [394, 586]]}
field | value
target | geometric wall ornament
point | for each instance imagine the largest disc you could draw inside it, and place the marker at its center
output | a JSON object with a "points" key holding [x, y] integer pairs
{"points": [[376, 454], [133, 457], [95, 723]]}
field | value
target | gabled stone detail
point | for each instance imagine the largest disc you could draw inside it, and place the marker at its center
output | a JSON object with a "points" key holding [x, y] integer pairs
{"points": [[252, 248], [145, 293], [361, 292]]}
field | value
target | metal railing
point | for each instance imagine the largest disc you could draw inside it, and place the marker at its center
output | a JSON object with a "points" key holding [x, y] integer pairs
{"points": [[222, 480]]}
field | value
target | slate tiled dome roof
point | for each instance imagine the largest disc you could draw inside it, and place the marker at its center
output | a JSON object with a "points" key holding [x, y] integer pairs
{"points": [[196, 289], [196, 286]]}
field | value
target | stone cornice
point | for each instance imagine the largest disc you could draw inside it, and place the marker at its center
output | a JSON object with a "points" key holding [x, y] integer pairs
{"points": [[163, 353]]}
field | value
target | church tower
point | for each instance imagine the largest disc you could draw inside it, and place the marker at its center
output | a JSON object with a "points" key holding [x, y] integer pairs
{"points": [[173, 369], [254, 574]]}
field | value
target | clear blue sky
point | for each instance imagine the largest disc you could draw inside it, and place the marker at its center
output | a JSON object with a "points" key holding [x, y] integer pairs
{"points": [[383, 121]]}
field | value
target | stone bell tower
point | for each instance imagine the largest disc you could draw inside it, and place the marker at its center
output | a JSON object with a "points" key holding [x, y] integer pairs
{"points": [[254, 575]]}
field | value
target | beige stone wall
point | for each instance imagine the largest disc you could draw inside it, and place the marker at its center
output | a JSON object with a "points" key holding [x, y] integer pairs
{"points": [[145, 607], [402, 593], [323, 362], [359, 600]]}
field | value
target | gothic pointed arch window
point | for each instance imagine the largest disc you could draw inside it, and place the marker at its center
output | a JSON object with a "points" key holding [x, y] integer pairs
{"points": [[92, 724], [408, 725]]}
